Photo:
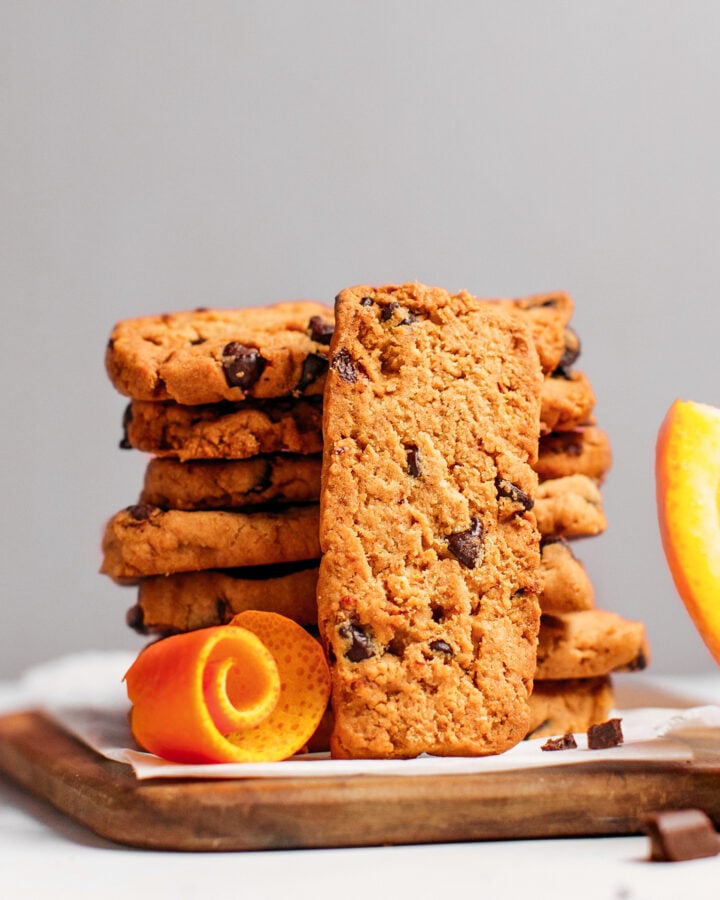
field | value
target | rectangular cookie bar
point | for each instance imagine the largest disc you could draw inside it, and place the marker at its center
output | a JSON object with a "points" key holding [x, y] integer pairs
{"points": [[427, 593]]}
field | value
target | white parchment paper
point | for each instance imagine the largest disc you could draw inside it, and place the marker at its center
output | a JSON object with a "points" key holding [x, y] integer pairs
{"points": [[85, 694]]}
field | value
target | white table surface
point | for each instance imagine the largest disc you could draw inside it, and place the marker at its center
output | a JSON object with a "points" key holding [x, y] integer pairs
{"points": [[45, 854]]}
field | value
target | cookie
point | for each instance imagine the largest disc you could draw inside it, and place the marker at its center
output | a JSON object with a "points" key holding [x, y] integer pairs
{"points": [[427, 589], [224, 431], [169, 604], [242, 430], [548, 316], [209, 355], [565, 585], [589, 644], [144, 540], [232, 484], [568, 401], [570, 507], [581, 451], [573, 705]]}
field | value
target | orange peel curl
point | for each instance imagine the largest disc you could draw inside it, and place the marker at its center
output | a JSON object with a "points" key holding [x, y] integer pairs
{"points": [[254, 690]]}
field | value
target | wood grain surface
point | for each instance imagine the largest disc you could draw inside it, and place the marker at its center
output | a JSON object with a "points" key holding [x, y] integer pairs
{"points": [[256, 814]]}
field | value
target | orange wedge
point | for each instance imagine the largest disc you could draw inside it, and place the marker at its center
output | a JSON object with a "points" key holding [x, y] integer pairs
{"points": [[687, 477]]}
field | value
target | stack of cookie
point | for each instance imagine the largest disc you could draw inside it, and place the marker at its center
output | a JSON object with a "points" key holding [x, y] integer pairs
{"points": [[229, 405]]}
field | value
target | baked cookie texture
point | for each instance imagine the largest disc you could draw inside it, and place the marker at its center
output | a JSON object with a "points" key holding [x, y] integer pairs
{"points": [[588, 644], [229, 484], [568, 401], [565, 586], [570, 507], [572, 705], [209, 355], [169, 604], [580, 451], [427, 593], [224, 431], [145, 540]]}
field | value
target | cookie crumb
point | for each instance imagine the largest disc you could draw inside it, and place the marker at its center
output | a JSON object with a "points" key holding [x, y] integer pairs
{"points": [[566, 742], [681, 834], [605, 735]]}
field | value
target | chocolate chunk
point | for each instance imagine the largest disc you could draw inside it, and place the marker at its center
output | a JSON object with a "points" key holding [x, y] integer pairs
{"points": [[367, 301], [198, 341], [141, 511], [441, 647], [680, 834], [320, 331], [605, 735], [507, 489], [223, 611], [126, 420], [387, 311], [314, 365], [413, 461], [360, 643], [467, 546], [242, 365], [344, 365], [572, 349], [135, 619], [566, 742]]}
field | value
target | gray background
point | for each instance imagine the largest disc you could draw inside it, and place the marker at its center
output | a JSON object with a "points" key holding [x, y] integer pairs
{"points": [[164, 155]]}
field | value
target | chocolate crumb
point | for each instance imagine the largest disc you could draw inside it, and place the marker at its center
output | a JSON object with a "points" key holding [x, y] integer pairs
{"points": [[320, 331], [344, 365], [467, 546], [512, 492], [680, 834], [413, 461], [360, 643], [605, 735], [141, 511], [566, 742], [242, 365]]}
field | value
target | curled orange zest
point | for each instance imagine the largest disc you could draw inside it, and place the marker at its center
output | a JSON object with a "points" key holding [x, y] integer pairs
{"points": [[251, 691]]}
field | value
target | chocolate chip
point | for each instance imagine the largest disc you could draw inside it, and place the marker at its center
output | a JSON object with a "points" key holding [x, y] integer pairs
{"points": [[197, 341], [441, 647], [409, 318], [126, 420], [507, 489], [141, 511], [438, 613], [367, 301], [201, 309], [680, 834], [387, 311], [265, 479], [605, 735], [344, 365], [110, 343], [314, 365], [572, 349], [467, 546], [320, 331], [223, 611], [135, 619], [360, 643], [638, 664], [413, 461], [551, 302], [242, 365], [566, 742]]}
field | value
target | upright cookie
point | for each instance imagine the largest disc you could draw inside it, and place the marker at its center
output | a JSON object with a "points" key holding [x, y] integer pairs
{"points": [[144, 540], [427, 595], [548, 316], [588, 644], [209, 355]]}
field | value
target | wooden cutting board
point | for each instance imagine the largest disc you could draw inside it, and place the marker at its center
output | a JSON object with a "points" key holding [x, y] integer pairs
{"points": [[256, 814]]}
